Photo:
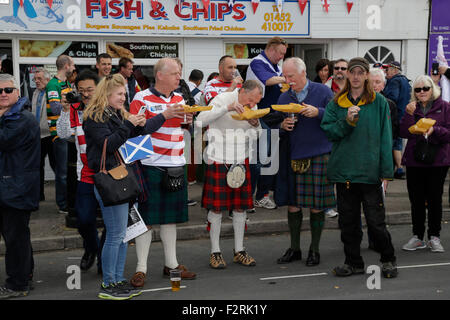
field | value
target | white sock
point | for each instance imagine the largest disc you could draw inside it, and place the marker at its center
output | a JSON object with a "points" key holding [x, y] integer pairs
{"points": [[142, 247], [215, 220], [239, 229], [168, 234]]}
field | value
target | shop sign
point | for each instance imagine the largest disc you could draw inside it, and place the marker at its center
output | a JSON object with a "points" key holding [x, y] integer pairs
{"points": [[137, 17], [44, 48], [140, 50], [244, 50]]}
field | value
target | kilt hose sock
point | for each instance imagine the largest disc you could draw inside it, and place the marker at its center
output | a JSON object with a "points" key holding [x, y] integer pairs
{"points": [[295, 220], [168, 234], [215, 222], [316, 221], [142, 248], [239, 229]]}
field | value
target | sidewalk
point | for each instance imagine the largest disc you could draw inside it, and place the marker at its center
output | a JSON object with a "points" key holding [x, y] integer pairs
{"points": [[48, 230]]}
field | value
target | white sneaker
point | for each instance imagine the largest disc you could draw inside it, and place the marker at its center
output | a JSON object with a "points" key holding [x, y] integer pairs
{"points": [[265, 203], [414, 243], [331, 213], [435, 245]]}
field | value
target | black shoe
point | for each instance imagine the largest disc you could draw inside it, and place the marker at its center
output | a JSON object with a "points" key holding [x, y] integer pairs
{"points": [[389, 270], [347, 270], [289, 256], [313, 259], [87, 260], [191, 203], [399, 174]]}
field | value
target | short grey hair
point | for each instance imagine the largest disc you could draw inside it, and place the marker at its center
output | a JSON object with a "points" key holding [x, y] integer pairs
{"points": [[44, 72], [250, 85], [6, 77], [299, 63], [427, 81], [378, 72]]}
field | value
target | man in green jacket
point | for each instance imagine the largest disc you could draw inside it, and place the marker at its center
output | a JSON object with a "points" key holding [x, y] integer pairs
{"points": [[358, 124]]}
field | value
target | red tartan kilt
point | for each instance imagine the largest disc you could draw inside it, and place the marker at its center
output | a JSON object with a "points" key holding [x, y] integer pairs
{"points": [[218, 196]]}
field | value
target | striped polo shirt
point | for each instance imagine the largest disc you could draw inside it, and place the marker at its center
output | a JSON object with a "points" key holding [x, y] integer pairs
{"points": [[84, 173], [168, 141], [215, 87], [53, 94]]}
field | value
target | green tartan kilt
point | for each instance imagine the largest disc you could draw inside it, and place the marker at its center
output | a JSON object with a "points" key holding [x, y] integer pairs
{"points": [[312, 187], [162, 207]]}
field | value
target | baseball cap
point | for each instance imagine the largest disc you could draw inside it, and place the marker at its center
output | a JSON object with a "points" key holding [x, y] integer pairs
{"points": [[358, 62], [395, 64]]}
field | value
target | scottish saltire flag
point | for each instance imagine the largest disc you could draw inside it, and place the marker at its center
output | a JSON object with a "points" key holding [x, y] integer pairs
{"points": [[136, 148]]}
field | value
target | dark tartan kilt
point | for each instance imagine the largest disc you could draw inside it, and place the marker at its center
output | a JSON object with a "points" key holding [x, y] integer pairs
{"points": [[218, 196], [162, 207], [312, 187]]}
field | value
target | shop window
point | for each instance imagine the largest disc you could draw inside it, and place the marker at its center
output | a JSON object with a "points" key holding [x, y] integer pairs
{"points": [[6, 63], [379, 54], [44, 48]]}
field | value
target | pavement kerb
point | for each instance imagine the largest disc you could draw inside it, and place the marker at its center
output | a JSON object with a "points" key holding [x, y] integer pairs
{"points": [[191, 232]]}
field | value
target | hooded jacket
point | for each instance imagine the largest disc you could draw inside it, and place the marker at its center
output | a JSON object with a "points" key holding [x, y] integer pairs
{"points": [[20, 156], [362, 152]]}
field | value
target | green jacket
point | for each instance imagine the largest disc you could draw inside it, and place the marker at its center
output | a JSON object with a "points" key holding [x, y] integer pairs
{"points": [[362, 151]]}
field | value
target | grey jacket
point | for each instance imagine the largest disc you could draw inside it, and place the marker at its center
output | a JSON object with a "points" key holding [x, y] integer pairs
{"points": [[43, 123]]}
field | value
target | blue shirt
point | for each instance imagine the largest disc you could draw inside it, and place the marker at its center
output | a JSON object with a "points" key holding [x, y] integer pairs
{"points": [[302, 94]]}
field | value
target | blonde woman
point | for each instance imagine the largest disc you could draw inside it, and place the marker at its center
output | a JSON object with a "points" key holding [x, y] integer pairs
{"points": [[425, 180], [106, 118]]}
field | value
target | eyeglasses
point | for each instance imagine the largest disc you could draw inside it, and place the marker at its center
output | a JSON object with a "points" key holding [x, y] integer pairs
{"points": [[340, 68], [425, 89], [7, 90], [86, 91]]}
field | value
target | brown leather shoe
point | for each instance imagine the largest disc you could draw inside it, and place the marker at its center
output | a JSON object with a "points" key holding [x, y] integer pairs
{"points": [[185, 274], [138, 280]]}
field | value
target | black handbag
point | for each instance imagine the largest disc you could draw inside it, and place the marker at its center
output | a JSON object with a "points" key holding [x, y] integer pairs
{"points": [[425, 152], [173, 179], [118, 185]]}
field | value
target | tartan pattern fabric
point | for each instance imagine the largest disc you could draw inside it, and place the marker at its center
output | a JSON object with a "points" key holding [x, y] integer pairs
{"points": [[162, 207], [218, 196], [312, 187]]}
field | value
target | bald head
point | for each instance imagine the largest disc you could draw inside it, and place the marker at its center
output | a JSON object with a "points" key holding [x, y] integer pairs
{"points": [[167, 74]]}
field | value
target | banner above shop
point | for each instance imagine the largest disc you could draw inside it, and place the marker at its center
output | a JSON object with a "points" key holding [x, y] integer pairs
{"points": [[157, 18]]}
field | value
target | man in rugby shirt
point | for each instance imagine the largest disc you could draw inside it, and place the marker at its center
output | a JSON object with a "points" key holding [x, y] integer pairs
{"points": [[226, 81], [54, 89], [162, 207], [70, 122]]}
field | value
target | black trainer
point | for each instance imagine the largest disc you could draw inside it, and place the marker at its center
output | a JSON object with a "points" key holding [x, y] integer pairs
{"points": [[125, 285], [112, 292], [389, 270]]}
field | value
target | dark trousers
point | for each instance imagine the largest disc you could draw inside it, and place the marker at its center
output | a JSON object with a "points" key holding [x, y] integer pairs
{"points": [[61, 154], [349, 199], [86, 207], [426, 185], [46, 149], [19, 255]]}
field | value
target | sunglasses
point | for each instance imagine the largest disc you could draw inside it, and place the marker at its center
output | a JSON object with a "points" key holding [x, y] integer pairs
{"points": [[425, 89], [340, 68], [7, 90]]}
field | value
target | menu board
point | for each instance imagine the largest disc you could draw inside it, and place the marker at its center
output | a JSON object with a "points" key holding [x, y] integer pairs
{"points": [[140, 50], [44, 48]]}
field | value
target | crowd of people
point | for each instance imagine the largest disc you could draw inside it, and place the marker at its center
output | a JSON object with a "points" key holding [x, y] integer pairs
{"points": [[336, 154]]}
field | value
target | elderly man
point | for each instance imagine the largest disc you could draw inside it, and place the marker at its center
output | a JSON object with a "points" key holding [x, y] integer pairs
{"points": [[307, 160], [54, 90], [398, 90], [228, 151], [19, 185], [357, 122], [264, 68], [38, 108], [163, 207]]}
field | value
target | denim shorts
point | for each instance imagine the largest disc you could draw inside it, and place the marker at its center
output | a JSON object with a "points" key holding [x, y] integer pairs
{"points": [[397, 144]]}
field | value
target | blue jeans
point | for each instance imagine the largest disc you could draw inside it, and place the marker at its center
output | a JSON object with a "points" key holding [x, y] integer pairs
{"points": [[114, 253], [60, 154], [86, 207]]}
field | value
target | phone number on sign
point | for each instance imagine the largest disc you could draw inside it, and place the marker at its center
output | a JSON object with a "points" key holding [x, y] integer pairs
{"points": [[277, 22]]}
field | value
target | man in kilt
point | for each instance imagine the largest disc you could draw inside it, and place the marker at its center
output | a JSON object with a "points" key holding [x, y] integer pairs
{"points": [[166, 208], [229, 143], [304, 153]]}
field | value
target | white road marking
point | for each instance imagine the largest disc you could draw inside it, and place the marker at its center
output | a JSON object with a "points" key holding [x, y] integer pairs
{"points": [[425, 265], [296, 276], [325, 273], [161, 289]]}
